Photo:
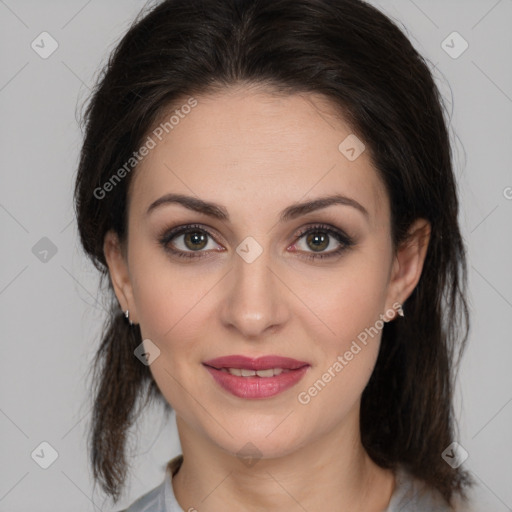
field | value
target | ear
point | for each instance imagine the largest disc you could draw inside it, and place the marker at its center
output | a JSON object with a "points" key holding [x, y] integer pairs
{"points": [[119, 275], [408, 262]]}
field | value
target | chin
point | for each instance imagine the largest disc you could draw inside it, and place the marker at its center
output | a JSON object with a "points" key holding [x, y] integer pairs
{"points": [[263, 438]]}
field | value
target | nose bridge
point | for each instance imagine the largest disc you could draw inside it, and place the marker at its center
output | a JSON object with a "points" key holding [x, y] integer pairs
{"points": [[254, 301]]}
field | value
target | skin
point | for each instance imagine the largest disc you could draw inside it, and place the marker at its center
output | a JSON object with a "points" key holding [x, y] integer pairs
{"points": [[256, 153]]}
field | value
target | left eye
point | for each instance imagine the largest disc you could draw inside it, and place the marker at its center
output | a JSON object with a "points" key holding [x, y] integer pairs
{"points": [[319, 238]]}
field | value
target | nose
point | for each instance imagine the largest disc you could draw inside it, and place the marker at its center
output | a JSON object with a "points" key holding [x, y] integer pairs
{"points": [[255, 300]]}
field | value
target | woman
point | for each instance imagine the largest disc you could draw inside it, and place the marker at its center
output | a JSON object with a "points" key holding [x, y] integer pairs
{"points": [[267, 187]]}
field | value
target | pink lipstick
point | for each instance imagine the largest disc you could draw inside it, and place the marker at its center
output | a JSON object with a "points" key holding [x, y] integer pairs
{"points": [[262, 377]]}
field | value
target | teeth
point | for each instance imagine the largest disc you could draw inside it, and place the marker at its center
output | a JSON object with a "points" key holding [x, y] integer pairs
{"points": [[242, 372], [264, 373]]}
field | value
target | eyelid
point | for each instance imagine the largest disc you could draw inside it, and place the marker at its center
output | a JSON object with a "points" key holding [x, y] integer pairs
{"points": [[166, 235], [345, 241], [321, 226]]}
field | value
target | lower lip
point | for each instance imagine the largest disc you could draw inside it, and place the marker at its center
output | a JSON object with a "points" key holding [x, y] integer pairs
{"points": [[257, 387]]}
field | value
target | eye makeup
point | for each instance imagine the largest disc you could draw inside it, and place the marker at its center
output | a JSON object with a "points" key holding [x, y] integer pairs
{"points": [[198, 234]]}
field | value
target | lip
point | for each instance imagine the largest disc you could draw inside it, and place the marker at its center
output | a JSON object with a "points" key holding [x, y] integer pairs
{"points": [[256, 387], [259, 363]]}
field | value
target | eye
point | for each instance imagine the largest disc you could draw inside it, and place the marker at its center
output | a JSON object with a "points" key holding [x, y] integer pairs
{"points": [[320, 237], [187, 240], [191, 241]]}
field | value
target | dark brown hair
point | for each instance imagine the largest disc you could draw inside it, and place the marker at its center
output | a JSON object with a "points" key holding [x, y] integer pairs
{"points": [[350, 52]]}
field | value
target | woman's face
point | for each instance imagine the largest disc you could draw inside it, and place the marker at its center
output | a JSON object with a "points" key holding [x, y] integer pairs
{"points": [[247, 284]]}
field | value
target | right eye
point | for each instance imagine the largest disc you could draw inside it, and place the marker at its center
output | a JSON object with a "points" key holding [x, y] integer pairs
{"points": [[194, 239]]}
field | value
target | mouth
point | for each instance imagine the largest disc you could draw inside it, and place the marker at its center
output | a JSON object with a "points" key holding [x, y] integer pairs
{"points": [[262, 377]]}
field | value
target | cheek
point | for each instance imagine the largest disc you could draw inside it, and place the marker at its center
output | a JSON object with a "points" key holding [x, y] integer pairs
{"points": [[167, 295], [349, 304], [171, 311], [347, 300], [165, 306]]}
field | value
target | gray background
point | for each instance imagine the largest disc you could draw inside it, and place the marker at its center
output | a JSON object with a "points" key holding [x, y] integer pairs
{"points": [[50, 307]]}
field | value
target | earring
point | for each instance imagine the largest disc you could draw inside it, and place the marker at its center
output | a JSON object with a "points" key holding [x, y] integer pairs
{"points": [[399, 311], [127, 315]]}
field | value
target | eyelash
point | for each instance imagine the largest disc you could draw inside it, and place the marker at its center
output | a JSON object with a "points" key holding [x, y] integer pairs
{"points": [[342, 238]]}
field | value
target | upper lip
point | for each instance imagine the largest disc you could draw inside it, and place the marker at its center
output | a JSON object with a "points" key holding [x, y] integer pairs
{"points": [[259, 363]]}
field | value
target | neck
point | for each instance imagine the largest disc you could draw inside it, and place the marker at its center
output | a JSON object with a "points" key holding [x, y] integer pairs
{"points": [[333, 469]]}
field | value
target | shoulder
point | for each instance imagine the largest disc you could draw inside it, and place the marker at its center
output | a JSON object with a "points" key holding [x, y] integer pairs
{"points": [[161, 498], [412, 494], [151, 501]]}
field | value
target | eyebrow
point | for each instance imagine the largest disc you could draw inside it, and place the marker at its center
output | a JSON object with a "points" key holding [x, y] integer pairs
{"points": [[291, 212]]}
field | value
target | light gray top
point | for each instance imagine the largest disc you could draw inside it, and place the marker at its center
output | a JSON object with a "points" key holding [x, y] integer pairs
{"points": [[410, 495]]}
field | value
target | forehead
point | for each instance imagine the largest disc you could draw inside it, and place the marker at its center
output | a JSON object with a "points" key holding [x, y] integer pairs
{"points": [[254, 150]]}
